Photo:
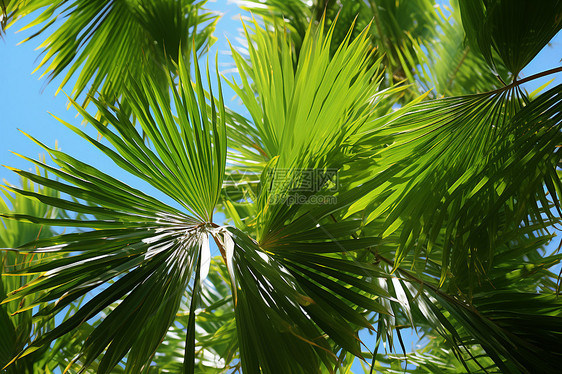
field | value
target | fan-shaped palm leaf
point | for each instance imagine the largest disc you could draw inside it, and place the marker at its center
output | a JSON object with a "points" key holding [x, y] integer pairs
{"points": [[515, 30], [147, 250], [461, 158]]}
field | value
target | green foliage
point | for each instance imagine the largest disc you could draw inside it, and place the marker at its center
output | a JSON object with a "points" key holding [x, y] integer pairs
{"points": [[356, 204], [18, 329], [144, 38], [395, 25], [146, 249], [516, 30], [418, 43]]}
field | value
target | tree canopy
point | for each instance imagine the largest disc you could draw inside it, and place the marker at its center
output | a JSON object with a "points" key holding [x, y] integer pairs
{"points": [[388, 172]]}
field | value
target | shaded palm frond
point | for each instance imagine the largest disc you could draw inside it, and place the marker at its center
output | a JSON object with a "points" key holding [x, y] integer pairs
{"points": [[295, 298], [449, 166], [451, 67], [216, 343], [395, 25], [515, 30]]}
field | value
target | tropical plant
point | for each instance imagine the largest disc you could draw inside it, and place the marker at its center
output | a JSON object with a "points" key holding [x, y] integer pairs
{"points": [[353, 204]]}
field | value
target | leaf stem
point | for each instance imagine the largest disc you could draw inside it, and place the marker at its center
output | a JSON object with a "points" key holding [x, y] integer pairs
{"points": [[516, 82]]}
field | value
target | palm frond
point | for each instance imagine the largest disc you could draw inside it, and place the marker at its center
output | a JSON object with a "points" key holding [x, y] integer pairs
{"points": [[395, 26], [6, 14], [300, 115], [102, 44], [138, 251], [20, 329], [216, 343], [515, 30], [449, 66], [461, 159], [296, 299], [496, 330]]}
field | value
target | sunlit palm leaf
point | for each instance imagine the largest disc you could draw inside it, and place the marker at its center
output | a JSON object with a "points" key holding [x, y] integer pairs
{"points": [[302, 272], [300, 115], [141, 251], [19, 329], [6, 13]]}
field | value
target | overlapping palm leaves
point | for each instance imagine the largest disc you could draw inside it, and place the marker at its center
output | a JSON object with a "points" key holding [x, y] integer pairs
{"points": [[420, 42], [437, 222], [452, 178], [482, 337], [152, 252], [450, 66], [18, 330], [481, 208], [396, 24], [216, 344], [295, 137]]}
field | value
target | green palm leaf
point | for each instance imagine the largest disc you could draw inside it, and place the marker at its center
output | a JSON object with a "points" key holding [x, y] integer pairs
{"points": [[302, 272], [20, 329], [433, 214], [144, 252], [216, 344], [396, 25], [494, 330], [451, 67], [515, 30], [6, 13], [460, 157]]}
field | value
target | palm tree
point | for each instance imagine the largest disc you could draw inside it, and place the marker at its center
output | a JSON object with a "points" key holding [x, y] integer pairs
{"points": [[353, 203]]}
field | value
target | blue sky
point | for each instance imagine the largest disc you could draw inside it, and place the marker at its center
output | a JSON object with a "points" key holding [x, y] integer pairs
{"points": [[26, 100]]}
